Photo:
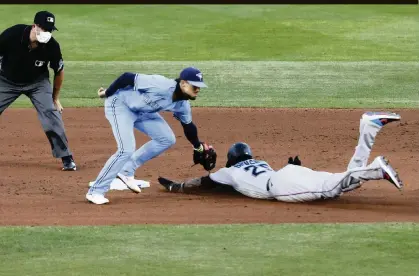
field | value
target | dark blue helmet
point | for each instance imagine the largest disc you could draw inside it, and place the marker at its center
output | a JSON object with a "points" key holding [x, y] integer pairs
{"points": [[238, 152]]}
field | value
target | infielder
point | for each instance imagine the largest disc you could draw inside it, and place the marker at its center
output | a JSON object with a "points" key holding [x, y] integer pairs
{"points": [[133, 101], [294, 183], [25, 52]]}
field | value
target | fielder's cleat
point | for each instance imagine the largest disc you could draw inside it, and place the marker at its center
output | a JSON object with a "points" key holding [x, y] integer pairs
{"points": [[381, 118], [68, 164], [389, 173], [129, 182], [170, 185], [97, 198]]}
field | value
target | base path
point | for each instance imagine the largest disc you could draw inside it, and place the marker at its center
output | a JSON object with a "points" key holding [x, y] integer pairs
{"points": [[33, 190]]}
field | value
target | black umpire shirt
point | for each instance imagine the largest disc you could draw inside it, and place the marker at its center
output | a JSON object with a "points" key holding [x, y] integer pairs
{"points": [[21, 64]]}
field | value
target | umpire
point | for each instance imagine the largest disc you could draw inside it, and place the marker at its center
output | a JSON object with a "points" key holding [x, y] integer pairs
{"points": [[25, 52]]}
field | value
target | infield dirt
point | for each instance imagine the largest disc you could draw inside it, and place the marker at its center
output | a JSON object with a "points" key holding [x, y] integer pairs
{"points": [[34, 191]]}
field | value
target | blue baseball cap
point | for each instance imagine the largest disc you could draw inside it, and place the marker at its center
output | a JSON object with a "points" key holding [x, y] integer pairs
{"points": [[193, 76]]}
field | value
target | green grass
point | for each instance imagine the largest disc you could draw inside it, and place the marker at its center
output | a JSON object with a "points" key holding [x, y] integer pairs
{"points": [[263, 84], [288, 249], [251, 55], [230, 32]]}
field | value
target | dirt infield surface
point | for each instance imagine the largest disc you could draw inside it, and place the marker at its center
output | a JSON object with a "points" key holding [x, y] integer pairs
{"points": [[33, 190]]}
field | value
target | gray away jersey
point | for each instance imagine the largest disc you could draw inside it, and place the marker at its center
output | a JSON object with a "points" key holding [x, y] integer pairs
{"points": [[248, 177]]}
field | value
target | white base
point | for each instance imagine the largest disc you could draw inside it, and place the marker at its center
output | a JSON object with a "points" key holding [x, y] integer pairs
{"points": [[118, 185]]}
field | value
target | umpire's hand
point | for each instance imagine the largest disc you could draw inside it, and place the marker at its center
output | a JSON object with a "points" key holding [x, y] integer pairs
{"points": [[58, 106]]}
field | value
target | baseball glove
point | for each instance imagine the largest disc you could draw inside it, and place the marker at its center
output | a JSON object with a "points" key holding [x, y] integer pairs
{"points": [[206, 156]]}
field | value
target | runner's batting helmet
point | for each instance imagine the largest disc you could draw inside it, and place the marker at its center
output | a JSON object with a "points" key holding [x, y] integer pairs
{"points": [[238, 152]]}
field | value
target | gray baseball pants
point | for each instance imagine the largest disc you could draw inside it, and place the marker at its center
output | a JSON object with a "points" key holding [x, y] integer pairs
{"points": [[40, 94]]}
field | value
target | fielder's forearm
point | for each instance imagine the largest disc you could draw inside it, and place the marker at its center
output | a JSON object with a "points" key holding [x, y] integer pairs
{"points": [[126, 79], [58, 82], [191, 133]]}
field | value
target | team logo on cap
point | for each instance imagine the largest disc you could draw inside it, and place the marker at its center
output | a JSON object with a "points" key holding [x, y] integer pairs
{"points": [[50, 19], [199, 75]]}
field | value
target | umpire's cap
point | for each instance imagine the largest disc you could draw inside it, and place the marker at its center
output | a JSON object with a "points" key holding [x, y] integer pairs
{"points": [[45, 20], [193, 76], [238, 152]]}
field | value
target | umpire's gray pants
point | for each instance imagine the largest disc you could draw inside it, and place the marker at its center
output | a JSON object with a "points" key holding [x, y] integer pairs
{"points": [[40, 94]]}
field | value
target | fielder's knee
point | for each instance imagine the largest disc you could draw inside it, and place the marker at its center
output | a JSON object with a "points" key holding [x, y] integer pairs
{"points": [[168, 140], [126, 151], [124, 155]]}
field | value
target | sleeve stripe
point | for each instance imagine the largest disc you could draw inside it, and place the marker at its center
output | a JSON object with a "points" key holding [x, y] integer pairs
{"points": [[135, 81]]}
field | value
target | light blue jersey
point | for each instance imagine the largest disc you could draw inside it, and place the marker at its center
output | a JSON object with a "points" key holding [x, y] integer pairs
{"points": [[153, 93], [137, 107]]}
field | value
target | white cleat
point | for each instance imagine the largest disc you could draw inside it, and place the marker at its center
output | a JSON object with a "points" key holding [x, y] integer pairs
{"points": [[380, 118], [97, 199], [130, 183], [389, 173]]}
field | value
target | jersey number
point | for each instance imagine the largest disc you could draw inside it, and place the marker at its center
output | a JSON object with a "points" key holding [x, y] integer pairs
{"points": [[257, 169]]}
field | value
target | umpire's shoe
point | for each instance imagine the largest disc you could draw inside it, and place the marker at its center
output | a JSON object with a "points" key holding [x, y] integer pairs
{"points": [[68, 163]]}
